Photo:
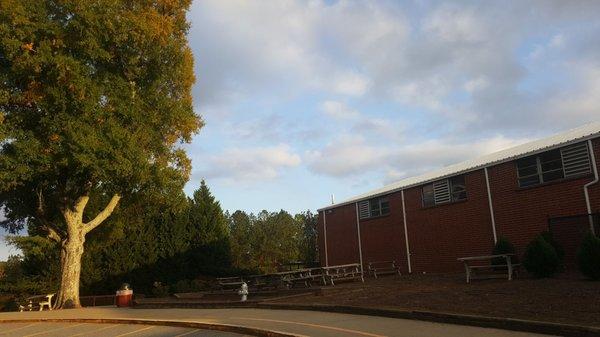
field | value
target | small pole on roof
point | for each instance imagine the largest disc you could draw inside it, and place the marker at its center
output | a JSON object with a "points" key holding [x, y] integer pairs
{"points": [[332, 199]]}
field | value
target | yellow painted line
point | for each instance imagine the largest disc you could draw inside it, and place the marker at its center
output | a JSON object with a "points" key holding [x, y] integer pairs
{"points": [[52, 330], [187, 333], [356, 332], [136, 331], [19, 328], [94, 331]]}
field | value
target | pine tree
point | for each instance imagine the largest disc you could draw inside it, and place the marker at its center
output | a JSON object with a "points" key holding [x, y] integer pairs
{"points": [[208, 234]]}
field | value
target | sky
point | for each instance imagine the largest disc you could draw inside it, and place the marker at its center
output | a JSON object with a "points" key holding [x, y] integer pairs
{"points": [[305, 99]]}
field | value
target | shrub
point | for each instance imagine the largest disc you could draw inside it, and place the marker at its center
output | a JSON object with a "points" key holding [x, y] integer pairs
{"points": [[540, 258], [560, 252], [588, 257], [160, 290], [503, 246]]}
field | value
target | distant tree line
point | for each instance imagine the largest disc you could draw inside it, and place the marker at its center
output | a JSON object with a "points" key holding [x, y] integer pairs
{"points": [[166, 237]]}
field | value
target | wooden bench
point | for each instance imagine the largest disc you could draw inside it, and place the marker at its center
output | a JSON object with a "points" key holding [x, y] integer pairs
{"points": [[38, 302], [265, 281], [383, 268], [343, 272], [300, 276], [472, 269], [230, 283]]}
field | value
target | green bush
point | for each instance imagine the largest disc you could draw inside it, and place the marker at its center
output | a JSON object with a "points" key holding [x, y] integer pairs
{"points": [[560, 252], [159, 290], [540, 258], [190, 286], [503, 246], [588, 257]]}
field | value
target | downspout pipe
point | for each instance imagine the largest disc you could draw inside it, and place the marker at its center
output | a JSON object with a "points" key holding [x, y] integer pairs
{"points": [[359, 241], [489, 192], [406, 234], [325, 237], [586, 186]]}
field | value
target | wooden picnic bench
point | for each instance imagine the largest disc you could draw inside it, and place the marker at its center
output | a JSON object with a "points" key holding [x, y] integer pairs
{"points": [[38, 302], [343, 272], [230, 283], [383, 268], [471, 269], [304, 276], [265, 281]]}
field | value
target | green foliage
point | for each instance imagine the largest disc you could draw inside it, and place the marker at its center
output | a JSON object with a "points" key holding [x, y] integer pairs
{"points": [[308, 240], [264, 241], [190, 286], [160, 290], [503, 246], [560, 251], [540, 258], [588, 257], [94, 99]]}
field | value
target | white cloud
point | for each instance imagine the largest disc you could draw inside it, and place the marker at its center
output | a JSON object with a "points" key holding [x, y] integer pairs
{"points": [[476, 84], [251, 164], [338, 110], [345, 156], [354, 156]]}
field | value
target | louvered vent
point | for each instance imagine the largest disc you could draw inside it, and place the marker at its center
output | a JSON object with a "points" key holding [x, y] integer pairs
{"points": [[576, 160], [441, 191], [363, 209]]}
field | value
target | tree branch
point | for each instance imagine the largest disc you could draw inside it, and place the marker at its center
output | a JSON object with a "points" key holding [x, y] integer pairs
{"points": [[106, 212], [53, 233]]}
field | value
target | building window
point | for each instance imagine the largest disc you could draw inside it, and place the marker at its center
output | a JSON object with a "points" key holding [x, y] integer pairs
{"points": [[374, 207], [444, 191], [570, 161]]}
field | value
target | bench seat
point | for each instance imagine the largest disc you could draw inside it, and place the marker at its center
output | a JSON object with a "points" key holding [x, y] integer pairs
{"points": [[383, 268]]}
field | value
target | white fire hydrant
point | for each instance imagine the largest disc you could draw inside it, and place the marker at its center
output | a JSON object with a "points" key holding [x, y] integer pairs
{"points": [[243, 291]]}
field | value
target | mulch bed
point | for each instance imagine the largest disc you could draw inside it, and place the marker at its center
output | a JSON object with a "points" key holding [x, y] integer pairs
{"points": [[565, 299]]}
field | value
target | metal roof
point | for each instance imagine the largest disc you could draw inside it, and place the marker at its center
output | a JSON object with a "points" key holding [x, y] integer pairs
{"points": [[588, 131]]}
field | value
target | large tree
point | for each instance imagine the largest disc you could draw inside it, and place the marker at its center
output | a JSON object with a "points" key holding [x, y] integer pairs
{"points": [[95, 97]]}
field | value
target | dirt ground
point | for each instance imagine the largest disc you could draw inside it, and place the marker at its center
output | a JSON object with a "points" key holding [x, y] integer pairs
{"points": [[566, 299]]}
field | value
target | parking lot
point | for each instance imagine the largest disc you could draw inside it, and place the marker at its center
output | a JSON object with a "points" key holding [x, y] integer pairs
{"points": [[95, 329]]}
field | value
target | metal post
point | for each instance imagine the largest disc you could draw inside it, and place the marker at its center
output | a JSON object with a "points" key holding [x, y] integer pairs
{"points": [[359, 242], [489, 192], [406, 234]]}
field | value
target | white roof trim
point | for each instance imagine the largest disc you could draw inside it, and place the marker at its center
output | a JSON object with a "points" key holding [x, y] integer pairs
{"points": [[582, 133]]}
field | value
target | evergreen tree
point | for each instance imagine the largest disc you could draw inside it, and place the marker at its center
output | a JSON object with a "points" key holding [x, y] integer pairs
{"points": [[308, 240], [242, 235], [208, 233]]}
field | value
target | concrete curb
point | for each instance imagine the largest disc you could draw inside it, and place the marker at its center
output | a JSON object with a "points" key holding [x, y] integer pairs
{"points": [[184, 324], [430, 316], [449, 318]]}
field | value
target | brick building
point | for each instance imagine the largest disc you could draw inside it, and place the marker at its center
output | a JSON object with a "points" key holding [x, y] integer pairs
{"points": [[425, 223]]}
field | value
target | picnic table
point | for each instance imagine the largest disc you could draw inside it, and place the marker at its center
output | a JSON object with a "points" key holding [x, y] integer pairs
{"points": [[303, 276], [351, 271], [230, 283], [383, 267], [38, 302], [474, 263]]}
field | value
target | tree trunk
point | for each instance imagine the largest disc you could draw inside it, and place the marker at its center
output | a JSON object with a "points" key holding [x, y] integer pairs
{"points": [[71, 253], [72, 249]]}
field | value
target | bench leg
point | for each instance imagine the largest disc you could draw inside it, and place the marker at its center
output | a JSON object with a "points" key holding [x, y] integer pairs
{"points": [[510, 268], [468, 273]]}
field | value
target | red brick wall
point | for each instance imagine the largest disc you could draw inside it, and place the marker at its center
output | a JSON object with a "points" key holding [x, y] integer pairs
{"points": [[440, 234], [383, 237], [342, 236], [522, 213]]}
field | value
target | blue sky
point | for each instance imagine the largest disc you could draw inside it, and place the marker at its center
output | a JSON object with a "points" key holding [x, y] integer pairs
{"points": [[304, 99]]}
